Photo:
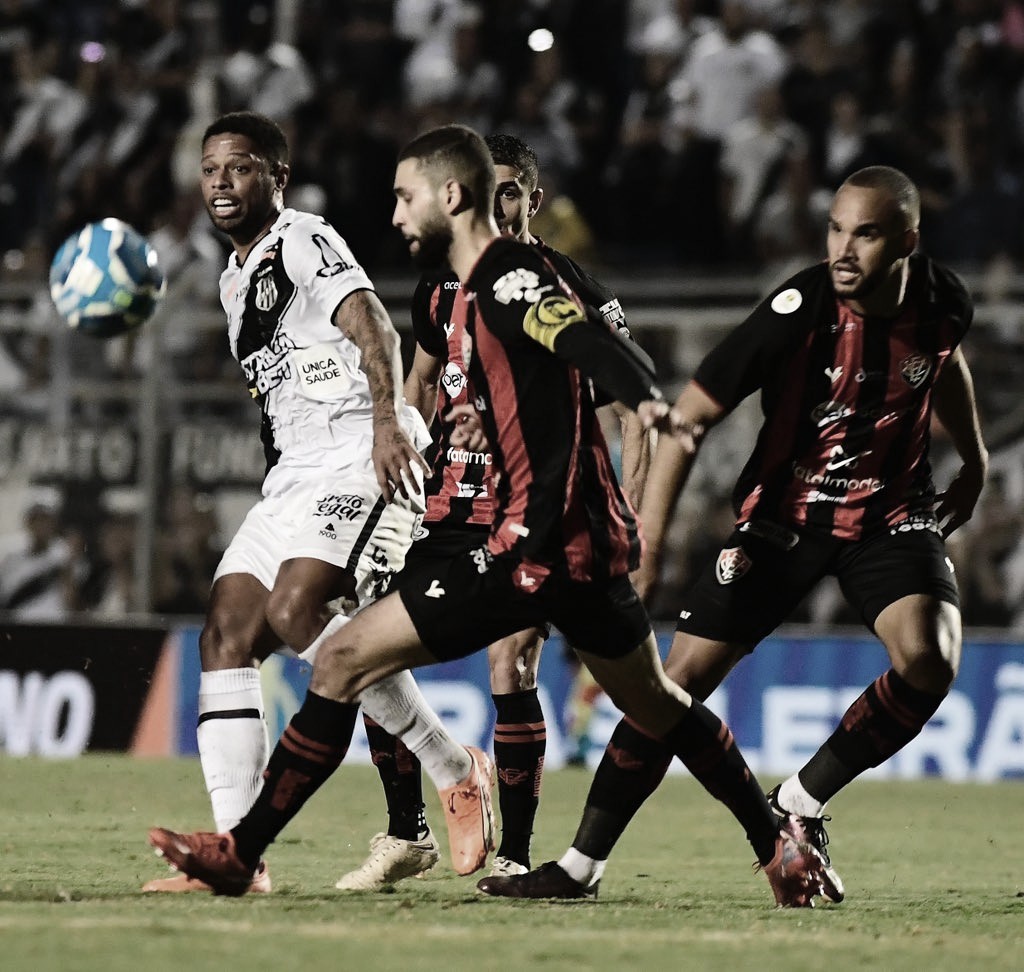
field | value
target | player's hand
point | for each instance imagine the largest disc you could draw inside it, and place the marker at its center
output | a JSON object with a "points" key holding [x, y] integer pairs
{"points": [[469, 430], [956, 505], [658, 414], [399, 467]]}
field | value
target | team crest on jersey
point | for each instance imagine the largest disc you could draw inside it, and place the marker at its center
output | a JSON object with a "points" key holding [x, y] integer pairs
{"points": [[732, 564], [787, 301], [519, 284], [266, 292], [915, 368]]}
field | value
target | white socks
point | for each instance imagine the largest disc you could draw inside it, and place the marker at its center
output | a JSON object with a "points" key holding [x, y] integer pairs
{"points": [[232, 737], [396, 704], [581, 868], [794, 798]]}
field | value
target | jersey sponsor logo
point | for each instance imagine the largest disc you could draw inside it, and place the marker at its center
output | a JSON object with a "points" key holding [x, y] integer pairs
{"points": [[435, 590], [322, 372], [828, 413], [419, 532], [451, 285], [519, 284], [470, 491], [685, 615], [549, 317], [787, 301], [773, 533], [469, 458], [332, 261], [915, 368], [347, 506], [453, 380], [732, 564], [268, 366], [812, 478], [838, 459]]}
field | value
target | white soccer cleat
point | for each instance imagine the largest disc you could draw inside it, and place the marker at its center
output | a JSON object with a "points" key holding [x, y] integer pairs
{"points": [[391, 859], [506, 867]]}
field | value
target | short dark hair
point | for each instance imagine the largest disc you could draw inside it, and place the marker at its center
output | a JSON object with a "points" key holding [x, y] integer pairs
{"points": [[515, 153], [458, 152], [898, 185], [264, 133]]}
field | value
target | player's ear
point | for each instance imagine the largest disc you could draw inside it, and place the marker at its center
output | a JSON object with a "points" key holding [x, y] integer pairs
{"points": [[910, 240], [536, 198], [280, 171]]}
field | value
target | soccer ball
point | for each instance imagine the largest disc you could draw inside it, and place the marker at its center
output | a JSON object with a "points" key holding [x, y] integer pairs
{"points": [[105, 279]]}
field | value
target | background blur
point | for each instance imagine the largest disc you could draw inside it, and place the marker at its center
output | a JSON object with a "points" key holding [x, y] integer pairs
{"points": [[689, 149]]}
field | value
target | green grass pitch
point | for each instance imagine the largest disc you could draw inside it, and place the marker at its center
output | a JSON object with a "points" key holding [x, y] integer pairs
{"points": [[932, 871]]}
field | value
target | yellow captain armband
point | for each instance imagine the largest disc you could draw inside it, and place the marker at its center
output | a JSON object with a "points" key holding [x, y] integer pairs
{"points": [[546, 319]]}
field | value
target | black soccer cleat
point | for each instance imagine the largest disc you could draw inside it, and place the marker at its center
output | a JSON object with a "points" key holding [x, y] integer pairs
{"points": [[547, 881]]}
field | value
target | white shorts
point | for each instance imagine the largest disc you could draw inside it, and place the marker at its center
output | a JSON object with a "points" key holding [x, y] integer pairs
{"points": [[338, 517]]}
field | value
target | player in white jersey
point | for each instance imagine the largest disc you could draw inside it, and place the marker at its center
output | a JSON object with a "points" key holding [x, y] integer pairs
{"points": [[341, 492]]}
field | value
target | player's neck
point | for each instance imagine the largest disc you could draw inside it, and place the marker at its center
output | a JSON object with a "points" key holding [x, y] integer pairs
{"points": [[888, 298], [468, 245], [244, 247]]}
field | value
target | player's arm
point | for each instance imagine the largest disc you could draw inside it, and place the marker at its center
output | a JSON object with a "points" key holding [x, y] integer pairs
{"points": [[673, 460], [636, 452], [421, 383], [955, 407], [361, 317]]}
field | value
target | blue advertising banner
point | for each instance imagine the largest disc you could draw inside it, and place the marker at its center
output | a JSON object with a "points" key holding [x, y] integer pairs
{"points": [[781, 703]]}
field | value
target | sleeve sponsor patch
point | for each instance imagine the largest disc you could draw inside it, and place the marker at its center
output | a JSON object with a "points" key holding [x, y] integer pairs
{"points": [[519, 284], [549, 317]]}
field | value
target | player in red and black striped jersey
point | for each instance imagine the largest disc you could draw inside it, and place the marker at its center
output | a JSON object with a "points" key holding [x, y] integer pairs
{"points": [[851, 358], [461, 502], [562, 541]]}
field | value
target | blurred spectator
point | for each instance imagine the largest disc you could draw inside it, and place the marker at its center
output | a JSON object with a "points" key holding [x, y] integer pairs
{"points": [[187, 554], [35, 562], [756, 152], [107, 589]]}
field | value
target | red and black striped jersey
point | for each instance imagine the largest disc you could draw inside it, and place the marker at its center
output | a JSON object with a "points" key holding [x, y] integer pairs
{"points": [[847, 401], [460, 490], [559, 505]]}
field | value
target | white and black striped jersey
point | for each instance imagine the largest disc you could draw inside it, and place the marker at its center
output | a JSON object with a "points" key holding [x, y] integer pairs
{"points": [[299, 367]]}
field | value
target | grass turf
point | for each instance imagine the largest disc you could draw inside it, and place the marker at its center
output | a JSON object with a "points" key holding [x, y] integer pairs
{"points": [[932, 874]]}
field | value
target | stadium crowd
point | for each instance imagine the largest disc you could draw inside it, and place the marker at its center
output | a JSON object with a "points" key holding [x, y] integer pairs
{"points": [[675, 136]]}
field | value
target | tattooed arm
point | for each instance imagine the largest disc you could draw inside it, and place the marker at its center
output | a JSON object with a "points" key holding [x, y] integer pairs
{"points": [[364, 321]]}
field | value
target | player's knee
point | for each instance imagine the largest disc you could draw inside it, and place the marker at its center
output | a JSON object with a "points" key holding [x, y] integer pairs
{"points": [[513, 663], [223, 643], [294, 619]]}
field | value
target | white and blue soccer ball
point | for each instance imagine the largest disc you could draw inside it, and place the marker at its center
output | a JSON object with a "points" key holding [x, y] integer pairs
{"points": [[105, 279]]}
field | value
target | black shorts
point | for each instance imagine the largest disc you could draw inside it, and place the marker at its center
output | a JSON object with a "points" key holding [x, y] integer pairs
{"points": [[763, 572], [458, 604]]}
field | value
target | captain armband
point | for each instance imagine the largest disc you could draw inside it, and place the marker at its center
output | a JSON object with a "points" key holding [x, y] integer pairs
{"points": [[549, 317]]}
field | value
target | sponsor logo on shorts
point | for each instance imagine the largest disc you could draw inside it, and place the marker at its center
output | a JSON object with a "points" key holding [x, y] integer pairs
{"points": [[435, 590], [914, 523], [328, 532], [346, 506], [773, 533], [482, 558], [915, 368], [732, 564], [685, 614]]}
